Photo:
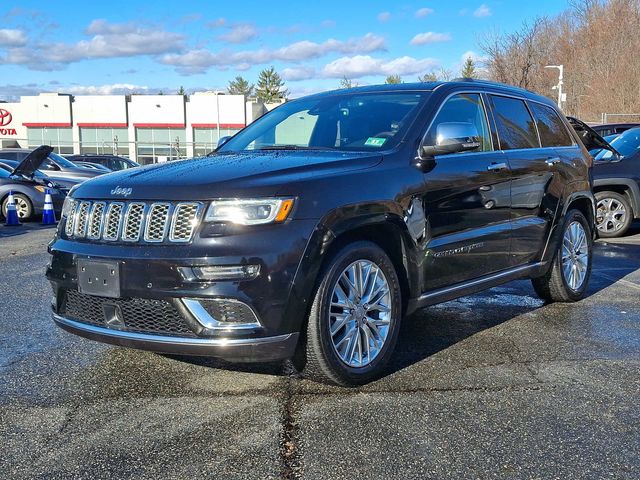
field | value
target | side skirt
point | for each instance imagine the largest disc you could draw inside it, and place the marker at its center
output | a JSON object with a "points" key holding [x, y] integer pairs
{"points": [[473, 286]]}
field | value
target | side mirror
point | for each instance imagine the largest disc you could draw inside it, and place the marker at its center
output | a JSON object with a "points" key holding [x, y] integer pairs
{"points": [[452, 137], [223, 140]]}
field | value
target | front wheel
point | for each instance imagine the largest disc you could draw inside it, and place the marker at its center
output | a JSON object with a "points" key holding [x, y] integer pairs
{"points": [[24, 209], [355, 316], [568, 277]]}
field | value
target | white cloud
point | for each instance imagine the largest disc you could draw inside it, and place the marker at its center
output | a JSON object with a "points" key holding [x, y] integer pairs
{"points": [[113, 89], [12, 38], [298, 73], [239, 33], [218, 22], [482, 11], [430, 37], [328, 23], [423, 12], [363, 65], [384, 17], [200, 60], [108, 40]]}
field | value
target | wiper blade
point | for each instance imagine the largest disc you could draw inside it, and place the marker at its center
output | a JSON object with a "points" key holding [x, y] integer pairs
{"points": [[291, 147]]}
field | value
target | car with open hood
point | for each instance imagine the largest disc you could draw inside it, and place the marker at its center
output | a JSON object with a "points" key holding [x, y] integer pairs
{"points": [[55, 166], [29, 185], [311, 233]]}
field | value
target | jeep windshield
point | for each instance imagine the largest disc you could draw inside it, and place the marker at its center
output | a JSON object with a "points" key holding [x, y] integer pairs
{"points": [[344, 121]]}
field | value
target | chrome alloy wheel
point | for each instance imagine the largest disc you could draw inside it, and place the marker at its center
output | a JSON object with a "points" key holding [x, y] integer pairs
{"points": [[360, 313], [575, 255], [611, 215], [22, 207]]}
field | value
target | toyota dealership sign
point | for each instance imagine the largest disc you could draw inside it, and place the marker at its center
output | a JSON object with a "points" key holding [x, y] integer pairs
{"points": [[5, 121]]}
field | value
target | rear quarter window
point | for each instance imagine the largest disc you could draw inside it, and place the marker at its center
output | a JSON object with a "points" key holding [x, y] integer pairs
{"points": [[553, 132], [516, 128]]}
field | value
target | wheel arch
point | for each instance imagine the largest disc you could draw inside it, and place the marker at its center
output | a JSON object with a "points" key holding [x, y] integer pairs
{"points": [[623, 186]]}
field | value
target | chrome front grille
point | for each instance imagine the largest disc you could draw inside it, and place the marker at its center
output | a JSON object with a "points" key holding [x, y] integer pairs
{"points": [[133, 221], [157, 223], [95, 220]]}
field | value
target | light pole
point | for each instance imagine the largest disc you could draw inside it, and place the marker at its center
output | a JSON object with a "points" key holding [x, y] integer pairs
{"points": [[561, 96], [218, 93]]}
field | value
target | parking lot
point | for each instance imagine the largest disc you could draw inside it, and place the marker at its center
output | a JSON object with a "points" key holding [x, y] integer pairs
{"points": [[497, 385]]}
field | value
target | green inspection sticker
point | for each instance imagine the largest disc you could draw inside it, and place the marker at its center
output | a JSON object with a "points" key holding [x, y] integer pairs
{"points": [[375, 142]]}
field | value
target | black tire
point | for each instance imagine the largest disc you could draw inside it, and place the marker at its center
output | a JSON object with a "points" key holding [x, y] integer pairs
{"points": [[323, 362], [626, 223], [553, 286], [28, 212]]}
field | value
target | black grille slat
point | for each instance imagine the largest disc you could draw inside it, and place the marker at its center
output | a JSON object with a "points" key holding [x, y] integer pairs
{"points": [[140, 315]]}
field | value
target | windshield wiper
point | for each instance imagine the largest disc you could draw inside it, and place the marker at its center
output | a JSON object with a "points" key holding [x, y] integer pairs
{"points": [[291, 147]]}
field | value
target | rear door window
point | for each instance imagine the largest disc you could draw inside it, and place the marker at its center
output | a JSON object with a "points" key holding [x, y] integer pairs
{"points": [[516, 128], [553, 132]]}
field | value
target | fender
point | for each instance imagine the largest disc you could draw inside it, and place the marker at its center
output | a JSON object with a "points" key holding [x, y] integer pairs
{"points": [[386, 214], [633, 187], [554, 236]]}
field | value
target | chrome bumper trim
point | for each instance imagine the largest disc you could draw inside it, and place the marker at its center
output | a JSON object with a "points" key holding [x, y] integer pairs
{"points": [[166, 340]]}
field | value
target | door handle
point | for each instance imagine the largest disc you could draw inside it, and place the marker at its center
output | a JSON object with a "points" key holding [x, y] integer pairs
{"points": [[552, 161], [498, 166]]}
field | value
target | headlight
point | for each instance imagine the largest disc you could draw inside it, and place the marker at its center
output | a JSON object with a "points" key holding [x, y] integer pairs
{"points": [[67, 206], [249, 211]]}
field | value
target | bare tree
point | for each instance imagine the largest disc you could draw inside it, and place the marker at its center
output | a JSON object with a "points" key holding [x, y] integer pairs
{"points": [[595, 40]]}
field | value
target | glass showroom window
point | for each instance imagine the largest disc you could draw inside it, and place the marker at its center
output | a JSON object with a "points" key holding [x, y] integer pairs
{"points": [[206, 139], [61, 139], [104, 141], [160, 144]]}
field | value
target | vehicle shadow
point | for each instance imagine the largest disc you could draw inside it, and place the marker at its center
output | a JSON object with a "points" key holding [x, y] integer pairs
{"points": [[26, 227], [436, 328]]}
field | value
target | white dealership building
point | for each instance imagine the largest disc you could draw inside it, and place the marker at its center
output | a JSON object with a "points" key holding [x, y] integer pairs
{"points": [[145, 128]]}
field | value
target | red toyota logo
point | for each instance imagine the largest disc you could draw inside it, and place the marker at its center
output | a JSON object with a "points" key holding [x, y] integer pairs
{"points": [[5, 117]]}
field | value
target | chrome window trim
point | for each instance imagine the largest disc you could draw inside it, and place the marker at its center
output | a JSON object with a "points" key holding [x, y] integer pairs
{"points": [[443, 102]]}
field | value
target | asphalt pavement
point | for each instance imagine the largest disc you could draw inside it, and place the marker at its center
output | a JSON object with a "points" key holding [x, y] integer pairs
{"points": [[495, 385]]}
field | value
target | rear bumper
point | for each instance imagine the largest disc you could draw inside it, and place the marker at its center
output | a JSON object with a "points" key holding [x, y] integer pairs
{"points": [[263, 349]]}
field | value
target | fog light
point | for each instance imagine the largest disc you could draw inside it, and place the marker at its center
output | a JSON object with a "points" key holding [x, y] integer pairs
{"points": [[227, 272]]}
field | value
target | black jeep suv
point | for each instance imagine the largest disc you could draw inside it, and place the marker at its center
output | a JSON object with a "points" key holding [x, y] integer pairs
{"points": [[313, 232]]}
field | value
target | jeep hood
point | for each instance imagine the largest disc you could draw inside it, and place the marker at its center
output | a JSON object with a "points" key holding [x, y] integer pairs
{"points": [[33, 161], [589, 136], [259, 173]]}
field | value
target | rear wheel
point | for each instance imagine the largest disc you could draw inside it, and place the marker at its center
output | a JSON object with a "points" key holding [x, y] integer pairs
{"points": [[23, 206], [613, 214], [568, 277], [354, 319]]}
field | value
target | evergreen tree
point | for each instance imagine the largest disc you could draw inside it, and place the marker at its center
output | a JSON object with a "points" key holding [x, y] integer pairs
{"points": [[428, 77], [240, 86], [469, 69], [270, 86], [347, 83], [181, 91], [393, 79]]}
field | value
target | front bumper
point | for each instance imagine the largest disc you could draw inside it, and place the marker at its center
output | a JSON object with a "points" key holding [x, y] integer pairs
{"points": [[154, 288], [262, 349]]}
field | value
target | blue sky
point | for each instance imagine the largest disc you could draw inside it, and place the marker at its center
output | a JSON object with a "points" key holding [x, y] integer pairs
{"points": [[121, 46]]}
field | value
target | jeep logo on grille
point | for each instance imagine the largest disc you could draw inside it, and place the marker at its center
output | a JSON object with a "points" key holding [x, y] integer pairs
{"points": [[125, 192]]}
